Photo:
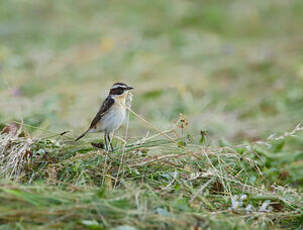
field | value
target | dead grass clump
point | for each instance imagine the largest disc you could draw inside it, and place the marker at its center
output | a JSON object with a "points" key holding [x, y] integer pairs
{"points": [[15, 151]]}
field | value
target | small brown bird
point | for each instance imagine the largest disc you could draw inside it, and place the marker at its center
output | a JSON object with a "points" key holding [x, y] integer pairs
{"points": [[111, 114]]}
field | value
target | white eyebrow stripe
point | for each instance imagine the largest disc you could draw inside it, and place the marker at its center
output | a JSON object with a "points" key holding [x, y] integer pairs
{"points": [[117, 86]]}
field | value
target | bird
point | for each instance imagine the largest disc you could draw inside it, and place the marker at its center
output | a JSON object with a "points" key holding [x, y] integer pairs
{"points": [[111, 114]]}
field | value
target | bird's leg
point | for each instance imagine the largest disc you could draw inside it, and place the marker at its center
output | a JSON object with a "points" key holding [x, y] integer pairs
{"points": [[110, 142], [105, 141]]}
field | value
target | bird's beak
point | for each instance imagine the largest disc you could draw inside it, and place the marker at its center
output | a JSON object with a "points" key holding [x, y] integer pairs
{"points": [[129, 88]]}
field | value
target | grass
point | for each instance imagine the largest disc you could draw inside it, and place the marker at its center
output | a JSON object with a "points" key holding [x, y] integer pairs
{"points": [[232, 161]]}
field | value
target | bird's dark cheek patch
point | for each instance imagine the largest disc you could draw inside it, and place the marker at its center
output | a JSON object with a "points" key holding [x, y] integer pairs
{"points": [[117, 91]]}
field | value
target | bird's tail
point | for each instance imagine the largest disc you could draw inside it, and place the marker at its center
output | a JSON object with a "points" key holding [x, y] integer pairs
{"points": [[82, 135]]}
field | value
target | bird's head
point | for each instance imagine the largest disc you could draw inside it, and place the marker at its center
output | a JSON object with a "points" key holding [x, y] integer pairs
{"points": [[119, 90]]}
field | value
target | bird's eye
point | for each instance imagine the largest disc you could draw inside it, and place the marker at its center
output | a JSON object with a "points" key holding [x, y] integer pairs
{"points": [[120, 91]]}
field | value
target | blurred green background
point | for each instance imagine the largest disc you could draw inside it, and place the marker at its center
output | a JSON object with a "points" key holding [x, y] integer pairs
{"points": [[234, 68]]}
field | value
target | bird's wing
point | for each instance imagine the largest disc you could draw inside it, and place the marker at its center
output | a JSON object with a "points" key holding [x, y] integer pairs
{"points": [[108, 102]]}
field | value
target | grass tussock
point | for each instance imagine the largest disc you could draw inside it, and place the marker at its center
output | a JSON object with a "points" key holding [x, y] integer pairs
{"points": [[147, 184]]}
